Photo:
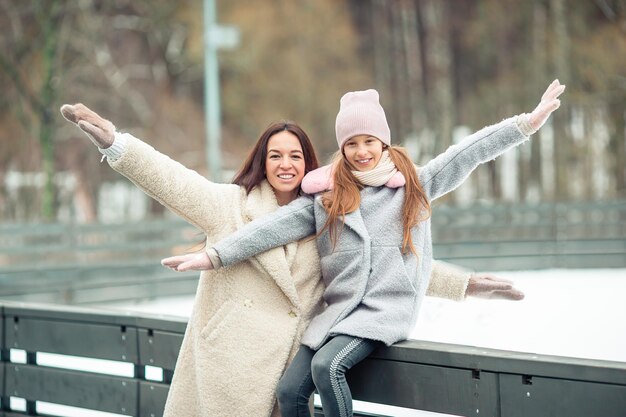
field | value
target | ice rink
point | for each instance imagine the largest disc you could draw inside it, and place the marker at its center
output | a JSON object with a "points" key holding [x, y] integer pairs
{"points": [[566, 312]]}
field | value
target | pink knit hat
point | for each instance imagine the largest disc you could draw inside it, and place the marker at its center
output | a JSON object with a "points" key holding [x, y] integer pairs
{"points": [[360, 113]]}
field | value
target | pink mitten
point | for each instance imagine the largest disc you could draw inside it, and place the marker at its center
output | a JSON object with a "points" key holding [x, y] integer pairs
{"points": [[483, 285], [190, 262], [318, 180], [549, 103]]}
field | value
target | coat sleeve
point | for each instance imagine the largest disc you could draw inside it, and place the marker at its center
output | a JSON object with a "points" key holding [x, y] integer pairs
{"points": [[202, 203], [448, 281], [449, 169], [289, 223]]}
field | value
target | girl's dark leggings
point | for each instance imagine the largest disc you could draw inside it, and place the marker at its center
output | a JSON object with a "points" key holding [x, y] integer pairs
{"points": [[325, 370]]}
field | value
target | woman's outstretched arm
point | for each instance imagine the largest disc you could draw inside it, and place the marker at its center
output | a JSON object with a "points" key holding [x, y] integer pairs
{"points": [[183, 191], [456, 283]]}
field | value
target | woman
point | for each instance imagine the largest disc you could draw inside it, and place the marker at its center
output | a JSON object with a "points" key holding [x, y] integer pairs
{"points": [[370, 214], [246, 321]]}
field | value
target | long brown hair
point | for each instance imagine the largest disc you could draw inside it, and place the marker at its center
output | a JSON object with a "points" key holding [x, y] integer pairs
{"points": [[345, 196], [252, 172]]}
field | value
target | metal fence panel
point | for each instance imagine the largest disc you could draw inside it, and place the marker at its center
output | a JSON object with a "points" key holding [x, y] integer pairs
{"points": [[508, 362], [158, 348], [548, 397], [73, 388], [152, 399], [71, 338], [424, 387]]}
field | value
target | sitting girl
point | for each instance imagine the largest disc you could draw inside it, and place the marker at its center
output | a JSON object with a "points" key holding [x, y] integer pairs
{"points": [[370, 212]]}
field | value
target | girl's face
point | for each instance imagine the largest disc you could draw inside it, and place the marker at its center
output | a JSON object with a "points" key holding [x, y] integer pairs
{"points": [[363, 152], [284, 166]]}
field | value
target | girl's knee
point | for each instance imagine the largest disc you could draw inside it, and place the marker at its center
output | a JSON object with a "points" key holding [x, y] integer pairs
{"points": [[320, 367]]}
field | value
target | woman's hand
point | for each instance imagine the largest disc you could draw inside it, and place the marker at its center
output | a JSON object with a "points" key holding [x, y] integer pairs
{"points": [[489, 286], [549, 103], [191, 262], [100, 131]]}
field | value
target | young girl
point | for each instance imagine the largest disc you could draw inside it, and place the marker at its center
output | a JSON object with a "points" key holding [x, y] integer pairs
{"points": [[370, 213]]}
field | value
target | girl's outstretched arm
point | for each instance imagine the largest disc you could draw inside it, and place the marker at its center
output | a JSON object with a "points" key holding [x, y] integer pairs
{"points": [[447, 281], [289, 223], [449, 169]]}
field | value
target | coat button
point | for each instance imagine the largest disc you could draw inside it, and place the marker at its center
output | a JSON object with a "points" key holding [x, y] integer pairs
{"points": [[292, 314]]}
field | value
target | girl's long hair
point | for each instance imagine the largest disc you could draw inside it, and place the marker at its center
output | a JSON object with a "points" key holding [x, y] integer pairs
{"points": [[252, 172], [345, 196]]}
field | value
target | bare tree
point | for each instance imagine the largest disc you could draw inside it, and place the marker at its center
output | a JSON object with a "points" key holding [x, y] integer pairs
{"points": [[415, 81], [439, 76], [35, 92]]}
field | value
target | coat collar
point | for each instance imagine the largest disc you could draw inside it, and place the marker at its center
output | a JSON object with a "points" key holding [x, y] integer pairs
{"points": [[276, 262]]}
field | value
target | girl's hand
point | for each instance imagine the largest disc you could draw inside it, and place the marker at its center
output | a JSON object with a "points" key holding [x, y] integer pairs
{"points": [[191, 262], [100, 131], [549, 103], [489, 286]]}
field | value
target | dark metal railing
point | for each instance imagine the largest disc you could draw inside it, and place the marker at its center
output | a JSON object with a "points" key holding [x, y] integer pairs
{"points": [[137, 340], [88, 264], [538, 236], [94, 263], [459, 380]]}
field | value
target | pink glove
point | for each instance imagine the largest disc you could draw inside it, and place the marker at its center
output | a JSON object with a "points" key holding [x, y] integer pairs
{"points": [[100, 131], [190, 262], [482, 285], [549, 103]]}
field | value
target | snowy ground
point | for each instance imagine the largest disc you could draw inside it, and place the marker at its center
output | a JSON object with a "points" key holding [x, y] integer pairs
{"points": [[566, 312], [577, 313]]}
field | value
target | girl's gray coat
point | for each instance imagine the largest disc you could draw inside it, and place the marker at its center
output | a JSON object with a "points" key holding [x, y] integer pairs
{"points": [[373, 290]]}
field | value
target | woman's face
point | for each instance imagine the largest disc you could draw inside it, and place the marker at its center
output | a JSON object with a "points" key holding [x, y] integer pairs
{"points": [[363, 152], [284, 166]]}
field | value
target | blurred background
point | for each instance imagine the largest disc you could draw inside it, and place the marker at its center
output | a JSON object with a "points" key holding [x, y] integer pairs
{"points": [[443, 68], [71, 226]]}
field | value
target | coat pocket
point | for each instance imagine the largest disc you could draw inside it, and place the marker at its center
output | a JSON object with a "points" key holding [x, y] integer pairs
{"points": [[402, 270], [389, 275], [213, 327]]}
